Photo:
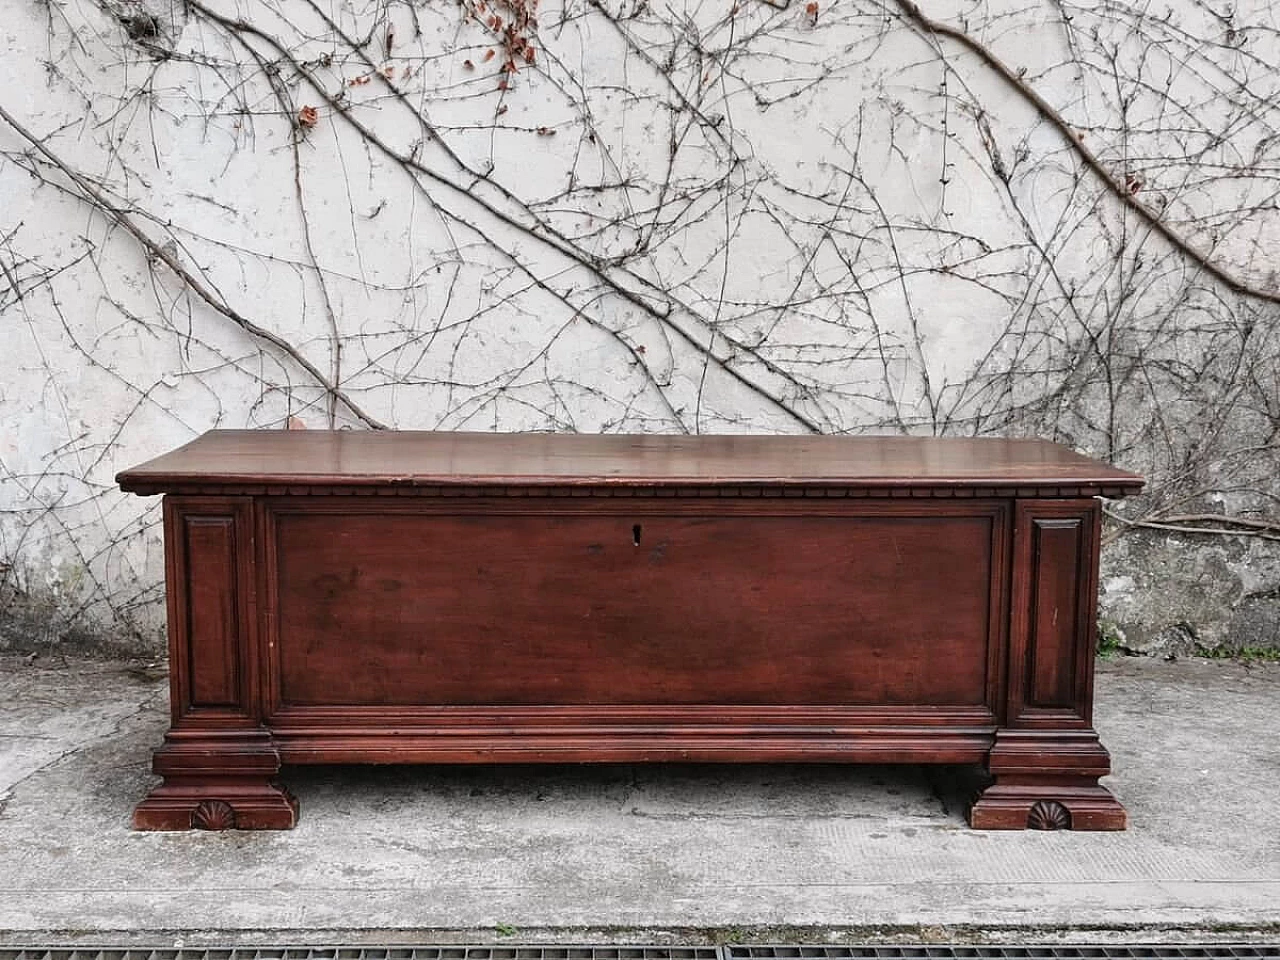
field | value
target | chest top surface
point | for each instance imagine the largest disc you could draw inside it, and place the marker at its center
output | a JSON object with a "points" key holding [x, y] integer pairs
{"points": [[308, 460]]}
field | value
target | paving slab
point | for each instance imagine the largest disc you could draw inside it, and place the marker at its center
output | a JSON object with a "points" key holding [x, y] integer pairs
{"points": [[638, 851]]}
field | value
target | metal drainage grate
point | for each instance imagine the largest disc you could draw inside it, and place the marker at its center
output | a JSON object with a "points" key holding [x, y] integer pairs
{"points": [[367, 953], [1225, 951]]}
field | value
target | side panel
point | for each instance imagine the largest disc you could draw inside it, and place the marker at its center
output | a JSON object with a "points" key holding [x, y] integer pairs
{"points": [[1052, 634], [212, 629]]}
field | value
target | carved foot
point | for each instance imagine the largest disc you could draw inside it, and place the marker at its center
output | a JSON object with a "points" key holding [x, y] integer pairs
{"points": [[217, 780], [1047, 780], [212, 805], [1047, 807]]}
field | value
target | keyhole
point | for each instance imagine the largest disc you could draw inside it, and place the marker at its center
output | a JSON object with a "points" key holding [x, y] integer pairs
{"points": [[635, 534]]}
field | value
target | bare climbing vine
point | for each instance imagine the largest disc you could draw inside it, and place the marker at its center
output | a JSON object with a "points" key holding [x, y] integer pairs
{"points": [[1049, 217]]}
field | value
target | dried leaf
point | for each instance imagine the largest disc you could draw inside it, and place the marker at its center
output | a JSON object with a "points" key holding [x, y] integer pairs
{"points": [[308, 116]]}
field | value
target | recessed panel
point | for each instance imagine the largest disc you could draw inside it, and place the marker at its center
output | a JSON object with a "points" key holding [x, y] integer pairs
{"points": [[418, 609], [213, 623], [1055, 621]]}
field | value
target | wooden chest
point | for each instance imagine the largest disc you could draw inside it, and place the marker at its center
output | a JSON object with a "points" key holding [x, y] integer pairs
{"points": [[362, 597]]}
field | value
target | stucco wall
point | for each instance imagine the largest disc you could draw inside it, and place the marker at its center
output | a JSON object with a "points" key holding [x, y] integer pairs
{"points": [[1013, 217]]}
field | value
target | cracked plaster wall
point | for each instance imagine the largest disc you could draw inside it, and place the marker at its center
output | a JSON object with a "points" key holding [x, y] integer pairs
{"points": [[778, 218]]}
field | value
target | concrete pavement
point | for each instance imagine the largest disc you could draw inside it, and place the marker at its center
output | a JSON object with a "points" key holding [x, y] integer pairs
{"points": [[636, 852]]}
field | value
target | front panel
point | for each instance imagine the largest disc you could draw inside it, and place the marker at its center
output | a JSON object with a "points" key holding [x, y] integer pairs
{"points": [[577, 603]]}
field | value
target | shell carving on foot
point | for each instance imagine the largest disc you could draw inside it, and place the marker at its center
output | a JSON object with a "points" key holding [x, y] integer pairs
{"points": [[213, 815], [1049, 815]]}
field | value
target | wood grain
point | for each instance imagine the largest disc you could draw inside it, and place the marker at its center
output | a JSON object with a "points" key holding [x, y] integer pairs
{"points": [[388, 459], [583, 609]]}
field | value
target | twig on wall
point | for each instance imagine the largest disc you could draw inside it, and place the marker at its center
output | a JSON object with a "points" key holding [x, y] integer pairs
{"points": [[121, 216]]}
